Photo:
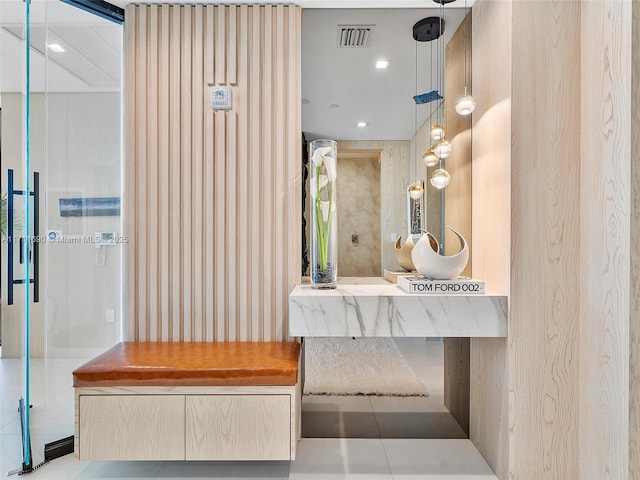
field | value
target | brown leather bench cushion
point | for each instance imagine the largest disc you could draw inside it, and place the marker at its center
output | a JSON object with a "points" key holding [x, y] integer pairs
{"points": [[189, 364]]}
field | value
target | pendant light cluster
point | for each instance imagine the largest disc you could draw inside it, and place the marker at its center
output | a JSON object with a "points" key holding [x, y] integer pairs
{"points": [[429, 29]]}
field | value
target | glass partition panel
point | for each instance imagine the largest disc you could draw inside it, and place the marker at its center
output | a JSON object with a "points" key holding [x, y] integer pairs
{"points": [[69, 155]]}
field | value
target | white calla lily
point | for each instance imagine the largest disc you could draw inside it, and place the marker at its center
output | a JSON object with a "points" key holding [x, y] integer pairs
{"points": [[317, 183], [319, 155], [330, 164], [324, 206]]}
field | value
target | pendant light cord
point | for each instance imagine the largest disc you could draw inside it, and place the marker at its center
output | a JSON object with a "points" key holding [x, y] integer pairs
{"points": [[415, 136], [465, 46], [431, 81]]}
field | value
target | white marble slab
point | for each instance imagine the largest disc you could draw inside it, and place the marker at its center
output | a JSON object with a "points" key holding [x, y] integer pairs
{"points": [[377, 308]]}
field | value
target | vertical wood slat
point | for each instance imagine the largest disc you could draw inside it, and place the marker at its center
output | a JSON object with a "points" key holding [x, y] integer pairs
{"points": [[231, 257], [220, 45], [209, 43], [208, 207], [256, 284], [267, 177], [278, 149], [152, 191], [186, 164], [175, 191], [244, 219], [163, 220], [142, 332], [197, 176], [292, 141], [232, 38], [213, 195], [220, 227], [130, 142]]}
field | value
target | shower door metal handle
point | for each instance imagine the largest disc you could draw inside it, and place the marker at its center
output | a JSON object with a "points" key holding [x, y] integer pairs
{"points": [[32, 244]]}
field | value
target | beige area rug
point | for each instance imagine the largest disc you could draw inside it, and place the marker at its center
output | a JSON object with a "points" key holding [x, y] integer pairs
{"points": [[361, 366]]}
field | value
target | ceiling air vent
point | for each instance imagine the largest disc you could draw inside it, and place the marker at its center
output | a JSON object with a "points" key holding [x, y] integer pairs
{"points": [[354, 36]]}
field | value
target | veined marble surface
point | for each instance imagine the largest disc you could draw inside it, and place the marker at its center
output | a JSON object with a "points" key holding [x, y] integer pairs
{"points": [[373, 307]]}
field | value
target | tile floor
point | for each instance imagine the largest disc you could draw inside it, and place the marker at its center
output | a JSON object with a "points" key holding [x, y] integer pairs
{"points": [[395, 449]]}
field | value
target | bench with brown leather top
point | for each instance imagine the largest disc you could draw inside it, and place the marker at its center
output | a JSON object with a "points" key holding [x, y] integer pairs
{"points": [[188, 364], [189, 401]]}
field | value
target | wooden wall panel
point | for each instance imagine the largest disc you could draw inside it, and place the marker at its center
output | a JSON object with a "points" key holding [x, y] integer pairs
{"points": [[634, 294], [457, 206], [545, 241], [605, 239], [458, 194], [211, 197], [562, 373], [491, 222]]}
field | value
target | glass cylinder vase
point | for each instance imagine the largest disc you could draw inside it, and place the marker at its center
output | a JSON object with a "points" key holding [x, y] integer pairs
{"points": [[324, 218]]}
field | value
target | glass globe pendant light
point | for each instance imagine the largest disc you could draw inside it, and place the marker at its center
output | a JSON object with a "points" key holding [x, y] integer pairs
{"points": [[437, 132], [429, 158], [442, 149], [440, 178], [465, 104], [416, 191]]}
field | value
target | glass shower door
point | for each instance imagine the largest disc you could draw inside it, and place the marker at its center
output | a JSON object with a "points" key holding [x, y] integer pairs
{"points": [[71, 143]]}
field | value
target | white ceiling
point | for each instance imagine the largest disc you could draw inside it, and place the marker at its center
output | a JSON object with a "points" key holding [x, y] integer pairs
{"points": [[347, 77], [92, 60], [331, 76]]}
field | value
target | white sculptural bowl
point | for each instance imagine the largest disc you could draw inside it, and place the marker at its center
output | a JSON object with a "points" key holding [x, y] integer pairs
{"points": [[432, 265]]}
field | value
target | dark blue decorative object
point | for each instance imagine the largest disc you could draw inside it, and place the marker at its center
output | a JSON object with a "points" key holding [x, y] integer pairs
{"points": [[427, 97], [89, 207]]}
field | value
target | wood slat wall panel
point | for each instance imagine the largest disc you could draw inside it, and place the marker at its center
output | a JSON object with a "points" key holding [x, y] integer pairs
{"points": [[130, 141], [175, 190], [267, 172], [164, 133], [256, 283], [185, 173], [152, 168], [243, 225], [213, 209], [197, 174], [141, 237]]}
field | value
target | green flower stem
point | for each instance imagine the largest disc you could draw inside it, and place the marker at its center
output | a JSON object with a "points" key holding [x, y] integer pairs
{"points": [[322, 227]]}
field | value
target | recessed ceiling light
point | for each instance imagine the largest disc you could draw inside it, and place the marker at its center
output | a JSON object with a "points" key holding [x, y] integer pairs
{"points": [[382, 64], [54, 47], [362, 124], [334, 105]]}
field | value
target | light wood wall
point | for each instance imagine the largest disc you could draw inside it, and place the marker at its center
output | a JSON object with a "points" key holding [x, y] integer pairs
{"points": [[605, 208], [634, 295], [491, 223], [212, 199], [545, 241], [558, 386], [457, 208]]}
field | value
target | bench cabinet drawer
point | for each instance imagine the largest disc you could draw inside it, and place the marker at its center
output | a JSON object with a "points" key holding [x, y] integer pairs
{"points": [[131, 427], [238, 427]]}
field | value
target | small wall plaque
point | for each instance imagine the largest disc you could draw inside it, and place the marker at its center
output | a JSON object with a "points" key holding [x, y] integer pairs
{"points": [[221, 98]]}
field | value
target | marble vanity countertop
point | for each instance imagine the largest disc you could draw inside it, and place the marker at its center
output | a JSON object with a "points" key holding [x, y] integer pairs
{"points": [[374, 307]]}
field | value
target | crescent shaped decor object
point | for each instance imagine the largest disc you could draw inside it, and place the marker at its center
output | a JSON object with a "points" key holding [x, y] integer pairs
{"points": [[403, 254], [432, 265]]}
